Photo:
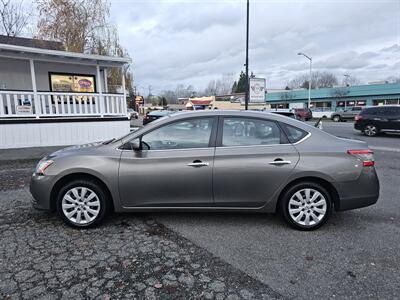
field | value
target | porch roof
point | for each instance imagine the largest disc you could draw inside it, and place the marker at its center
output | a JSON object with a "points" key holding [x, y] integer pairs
{"points": [[22, 52]]}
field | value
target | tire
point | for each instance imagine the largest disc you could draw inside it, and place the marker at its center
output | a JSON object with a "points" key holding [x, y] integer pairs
{"points": [[370, 130], [336, 118], [297, 212], [92, 209]]}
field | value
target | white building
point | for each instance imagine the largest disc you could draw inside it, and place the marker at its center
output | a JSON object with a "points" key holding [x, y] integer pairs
{"points": [[52, 97]]}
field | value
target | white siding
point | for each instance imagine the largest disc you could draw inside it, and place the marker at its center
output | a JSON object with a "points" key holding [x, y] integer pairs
{"points": [[59, 134], [15, 74]]}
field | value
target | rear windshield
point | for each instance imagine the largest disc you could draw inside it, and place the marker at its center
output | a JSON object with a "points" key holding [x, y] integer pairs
{"points": [[294, 134]]}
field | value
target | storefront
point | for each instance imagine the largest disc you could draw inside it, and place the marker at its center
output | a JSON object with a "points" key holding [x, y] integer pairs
{"points": [[338, 98]]}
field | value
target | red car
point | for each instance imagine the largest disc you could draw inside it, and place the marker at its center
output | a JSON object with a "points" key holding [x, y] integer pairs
{"points": [[303, 113]]}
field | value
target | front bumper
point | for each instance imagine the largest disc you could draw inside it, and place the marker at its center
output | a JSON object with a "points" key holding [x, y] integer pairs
{"points": [[359, 193], [40, 189]]}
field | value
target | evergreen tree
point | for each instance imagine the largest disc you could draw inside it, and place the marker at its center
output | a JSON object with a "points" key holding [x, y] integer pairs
{"points": [[234, 87], [241, 85]]}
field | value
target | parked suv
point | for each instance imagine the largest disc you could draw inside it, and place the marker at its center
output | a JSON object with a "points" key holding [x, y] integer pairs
{"points": [[303, 113], [373, 120], [347, 114]]}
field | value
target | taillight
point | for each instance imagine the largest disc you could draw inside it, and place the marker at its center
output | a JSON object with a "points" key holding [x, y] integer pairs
{"points": [[358, 118], [365, 155]]}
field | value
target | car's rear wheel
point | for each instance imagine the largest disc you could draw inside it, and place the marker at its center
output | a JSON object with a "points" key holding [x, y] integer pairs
{"points": [[370, 130], [336, 118], [306, 205], [82, 203]]}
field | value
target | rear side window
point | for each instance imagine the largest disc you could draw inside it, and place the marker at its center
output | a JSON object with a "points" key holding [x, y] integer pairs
{"points": [[369, 111], [389, 111], [294, 134], [249, 131]]}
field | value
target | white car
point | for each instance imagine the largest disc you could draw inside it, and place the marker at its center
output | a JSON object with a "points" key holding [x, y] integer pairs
{"points": [[132, 114]]}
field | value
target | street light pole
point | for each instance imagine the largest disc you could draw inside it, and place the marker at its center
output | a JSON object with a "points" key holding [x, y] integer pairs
{"points": [[309, 81], [246, 97]]}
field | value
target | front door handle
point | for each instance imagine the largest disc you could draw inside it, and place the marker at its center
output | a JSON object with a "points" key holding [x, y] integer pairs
{"points": [[280, 162], [198, 163]]}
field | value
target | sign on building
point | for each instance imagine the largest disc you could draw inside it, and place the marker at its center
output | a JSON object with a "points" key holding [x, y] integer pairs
{"points": [[257, 90], [24, 110]]}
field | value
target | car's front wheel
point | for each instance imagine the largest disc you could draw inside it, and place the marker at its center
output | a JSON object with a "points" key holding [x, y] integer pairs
{"points": [[336, 118], [370, 130], [82, 203], [306, 205]]}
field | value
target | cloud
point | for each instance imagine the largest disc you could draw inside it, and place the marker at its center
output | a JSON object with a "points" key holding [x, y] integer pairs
{"points": [[192, 42]]}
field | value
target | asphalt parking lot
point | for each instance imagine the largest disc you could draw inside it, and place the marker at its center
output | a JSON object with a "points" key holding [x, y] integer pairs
{"points": [[199, 255], [356, 255]]}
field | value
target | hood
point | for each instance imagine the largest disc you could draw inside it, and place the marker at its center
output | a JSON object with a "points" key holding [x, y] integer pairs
{"points": [[74, 149]]}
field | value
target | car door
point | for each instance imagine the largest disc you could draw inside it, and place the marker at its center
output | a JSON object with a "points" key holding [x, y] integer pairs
{"points": [[348, 113], [252, 160], [392, 114], [173, 168]]}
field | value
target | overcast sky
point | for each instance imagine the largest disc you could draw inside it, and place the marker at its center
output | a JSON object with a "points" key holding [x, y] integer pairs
{"points": [[194, 41]]}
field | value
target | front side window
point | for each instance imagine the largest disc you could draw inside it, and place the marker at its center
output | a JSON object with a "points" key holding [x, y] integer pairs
{"points": [[186, 134], [248, 131]]}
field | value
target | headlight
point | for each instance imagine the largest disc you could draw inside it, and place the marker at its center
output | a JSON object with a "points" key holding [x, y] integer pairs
{"points": [[42, 166]]}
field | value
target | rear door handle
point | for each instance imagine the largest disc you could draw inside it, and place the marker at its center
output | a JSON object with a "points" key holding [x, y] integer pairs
{"points": [[197, 164], [280, 162]]}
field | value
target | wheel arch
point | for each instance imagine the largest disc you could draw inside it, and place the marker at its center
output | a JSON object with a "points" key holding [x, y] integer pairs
{"points": [[326, 184], [74, 176]]}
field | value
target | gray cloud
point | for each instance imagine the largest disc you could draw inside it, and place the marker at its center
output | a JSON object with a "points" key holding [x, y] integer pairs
{"points": [[192, 42]]}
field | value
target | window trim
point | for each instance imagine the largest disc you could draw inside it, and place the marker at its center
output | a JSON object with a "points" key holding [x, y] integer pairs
{"points": [[221, 126], [211, 142], [287, 134]]}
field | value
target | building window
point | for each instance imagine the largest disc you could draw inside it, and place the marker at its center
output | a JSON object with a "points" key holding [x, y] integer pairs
{"points": [[280, 105], [72, 83], [361, 103], [321, 106], [385, 102]]}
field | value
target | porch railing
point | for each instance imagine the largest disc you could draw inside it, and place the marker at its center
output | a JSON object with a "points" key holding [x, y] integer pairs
{"points": [[53, 104]]}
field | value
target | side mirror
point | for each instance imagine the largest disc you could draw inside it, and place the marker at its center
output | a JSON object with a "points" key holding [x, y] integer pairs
{"points": [[135, 145]]}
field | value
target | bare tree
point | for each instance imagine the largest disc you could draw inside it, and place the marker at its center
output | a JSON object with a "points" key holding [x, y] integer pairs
{"points": [[184, 92], [14, 17], [84, 26], [79, 24], [222, 86], [211, 89], [318, 80], [350, 80]]}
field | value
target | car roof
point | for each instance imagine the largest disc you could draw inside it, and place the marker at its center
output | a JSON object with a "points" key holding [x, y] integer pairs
{"points": [[238, 113], [160, 112]]}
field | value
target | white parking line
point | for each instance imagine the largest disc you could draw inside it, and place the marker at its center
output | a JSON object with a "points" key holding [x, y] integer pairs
{"points": [[385, 149]]}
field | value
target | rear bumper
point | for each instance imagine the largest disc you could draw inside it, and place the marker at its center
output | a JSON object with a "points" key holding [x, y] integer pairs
{"points": [[40, 189], [359, 193]]}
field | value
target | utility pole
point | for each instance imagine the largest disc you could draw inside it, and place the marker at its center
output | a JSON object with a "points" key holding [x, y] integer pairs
{"points": [[309, 81], [246, 98], [346, 81]]}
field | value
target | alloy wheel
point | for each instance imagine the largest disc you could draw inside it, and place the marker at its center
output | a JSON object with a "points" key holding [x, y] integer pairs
{"points": [[307, 207], [80, 205], [370, 130]]}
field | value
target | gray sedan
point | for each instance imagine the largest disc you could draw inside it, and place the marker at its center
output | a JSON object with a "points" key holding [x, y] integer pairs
{"points": [[210, 161]]}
